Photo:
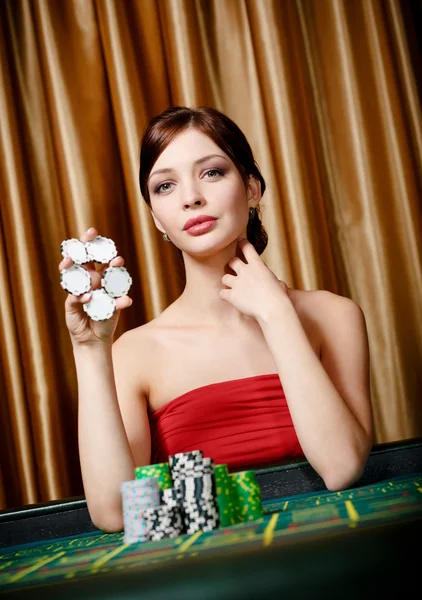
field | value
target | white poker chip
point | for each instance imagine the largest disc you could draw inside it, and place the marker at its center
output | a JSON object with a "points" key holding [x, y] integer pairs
{"points": [[116, 281], [101, 250], [74, 249], [75, 280], [101, 306]]}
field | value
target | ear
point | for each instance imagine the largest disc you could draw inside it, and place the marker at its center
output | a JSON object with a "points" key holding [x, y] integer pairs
{"points": [[254, 191], [157, 222]]}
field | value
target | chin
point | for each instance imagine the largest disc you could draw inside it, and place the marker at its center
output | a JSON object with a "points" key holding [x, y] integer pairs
{"points": [[207, 247]]}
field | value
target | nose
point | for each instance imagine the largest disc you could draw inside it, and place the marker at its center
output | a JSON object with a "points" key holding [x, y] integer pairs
{"points": [[192, 196]]}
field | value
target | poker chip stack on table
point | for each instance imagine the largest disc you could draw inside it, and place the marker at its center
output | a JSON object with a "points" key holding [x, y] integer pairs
{"points": [[193, 477], [227, 501], [76, 280], [186, 495], [248, 496], [137, 497]]}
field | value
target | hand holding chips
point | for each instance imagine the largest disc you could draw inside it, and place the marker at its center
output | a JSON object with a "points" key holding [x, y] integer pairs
{"points": [[77, 280]]}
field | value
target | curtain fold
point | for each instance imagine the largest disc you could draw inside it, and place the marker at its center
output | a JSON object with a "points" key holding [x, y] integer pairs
{"points": [[327, 93]]}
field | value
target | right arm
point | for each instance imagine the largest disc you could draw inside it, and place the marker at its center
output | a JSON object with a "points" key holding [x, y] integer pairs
{"points": [[113, 426], [113, 429]]}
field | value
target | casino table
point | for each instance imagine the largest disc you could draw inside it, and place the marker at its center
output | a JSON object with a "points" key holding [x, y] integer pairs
{"points": [[363, 542]]}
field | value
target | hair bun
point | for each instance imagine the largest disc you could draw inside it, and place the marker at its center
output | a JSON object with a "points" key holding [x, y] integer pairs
{"points": [[256, 232]]}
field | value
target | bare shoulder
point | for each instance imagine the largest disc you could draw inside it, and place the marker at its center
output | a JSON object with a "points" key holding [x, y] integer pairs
{"points": [[328, 312], [134, 354], [143, 343], [139, 343], [321, 303]]}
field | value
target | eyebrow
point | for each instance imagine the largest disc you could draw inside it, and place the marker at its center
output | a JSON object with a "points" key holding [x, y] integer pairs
{"points": [[197, 162]]}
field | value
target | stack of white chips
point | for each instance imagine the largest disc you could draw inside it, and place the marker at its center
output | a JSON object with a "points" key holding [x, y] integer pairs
{"points": [[76, 280]]}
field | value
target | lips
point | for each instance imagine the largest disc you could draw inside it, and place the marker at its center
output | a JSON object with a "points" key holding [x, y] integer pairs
{"points": [[197, 221]]}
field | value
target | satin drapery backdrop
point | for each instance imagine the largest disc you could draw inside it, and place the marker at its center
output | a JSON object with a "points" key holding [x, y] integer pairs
{"points": [[326, 92]]}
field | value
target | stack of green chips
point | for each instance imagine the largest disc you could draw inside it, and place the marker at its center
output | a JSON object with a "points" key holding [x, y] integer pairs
{"points": [[160, 470], [227, 501], [248, 492]]}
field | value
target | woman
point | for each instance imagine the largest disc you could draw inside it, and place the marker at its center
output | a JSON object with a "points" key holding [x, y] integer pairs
{"points": [[207, 372]]}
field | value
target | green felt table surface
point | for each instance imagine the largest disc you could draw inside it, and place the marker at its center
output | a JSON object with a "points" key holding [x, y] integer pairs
{"points": [[37, 567]]}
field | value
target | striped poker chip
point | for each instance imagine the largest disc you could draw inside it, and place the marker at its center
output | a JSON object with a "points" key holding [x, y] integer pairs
{"points": [[135, 535], [188, 468], [181, 460], [101, 306], [163, 522], [180, 456], [139, 489], [193, 477], [138, 496], [172, 497], [101, 250], [116, 281], [75, 250], [200, 486], [75, 280], [200, 515], [139, 484], [139, 503], [172, 494]]}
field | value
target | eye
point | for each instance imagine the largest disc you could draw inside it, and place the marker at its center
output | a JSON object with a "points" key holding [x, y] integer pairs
{"points": [[211, 173], [217, 171], [159, 189]]}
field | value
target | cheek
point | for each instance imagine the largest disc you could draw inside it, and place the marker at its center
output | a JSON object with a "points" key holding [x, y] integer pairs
{"points": [[234, 195], [240, 204], [161, 221]]}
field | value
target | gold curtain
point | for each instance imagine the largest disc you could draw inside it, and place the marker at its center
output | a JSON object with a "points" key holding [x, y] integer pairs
{"points": [[326, 92]]}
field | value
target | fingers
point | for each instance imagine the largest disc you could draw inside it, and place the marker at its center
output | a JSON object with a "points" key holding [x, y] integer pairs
{"points": [[235, 264], [228, 280], [66, 263], [123, 302], [247, 249], [117, 262], [89, 235], [74, 302]]}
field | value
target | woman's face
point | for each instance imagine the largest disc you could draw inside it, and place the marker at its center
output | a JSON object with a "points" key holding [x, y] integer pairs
{"points": [[194, 179]]}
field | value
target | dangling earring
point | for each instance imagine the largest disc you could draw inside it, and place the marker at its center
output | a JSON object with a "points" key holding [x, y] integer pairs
{"points": [[252, 213], [166, 237]]}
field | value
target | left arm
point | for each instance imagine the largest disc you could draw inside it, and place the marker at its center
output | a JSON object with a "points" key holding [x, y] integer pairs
{"points": [[328, 399]]}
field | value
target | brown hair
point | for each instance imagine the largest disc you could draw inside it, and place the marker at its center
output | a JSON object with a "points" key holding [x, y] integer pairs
{"points": [[168, 124]]}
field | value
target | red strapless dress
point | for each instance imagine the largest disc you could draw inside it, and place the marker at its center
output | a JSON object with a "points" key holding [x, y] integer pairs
{"points": [[243, 422]]}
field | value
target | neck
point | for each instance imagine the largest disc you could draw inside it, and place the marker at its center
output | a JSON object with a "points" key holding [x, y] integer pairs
{"points": [[201, 296]]}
